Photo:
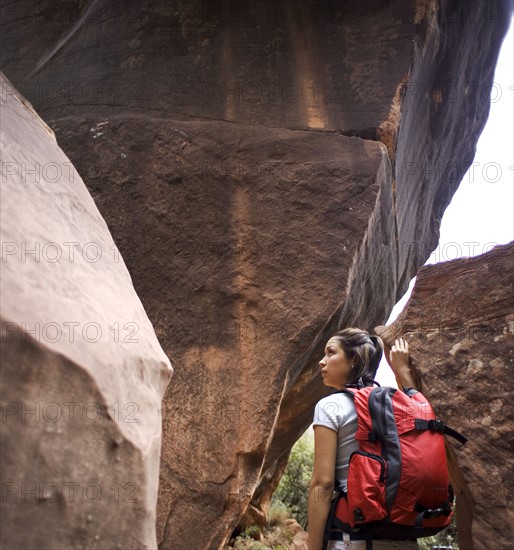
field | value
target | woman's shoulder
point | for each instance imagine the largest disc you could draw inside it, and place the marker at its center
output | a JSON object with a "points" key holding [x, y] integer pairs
{"points": [[336, 409], [336, 398]]}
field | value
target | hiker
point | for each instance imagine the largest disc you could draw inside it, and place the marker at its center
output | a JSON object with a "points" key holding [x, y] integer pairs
{"points": [[351, 356]]}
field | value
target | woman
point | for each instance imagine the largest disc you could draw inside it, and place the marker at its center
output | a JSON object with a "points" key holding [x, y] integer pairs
{"points": [[350, 355]]}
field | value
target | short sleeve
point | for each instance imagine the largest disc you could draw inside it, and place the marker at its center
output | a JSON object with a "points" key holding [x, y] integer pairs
{"points": [[329, 413]]}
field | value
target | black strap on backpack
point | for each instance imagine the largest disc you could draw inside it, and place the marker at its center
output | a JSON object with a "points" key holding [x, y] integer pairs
{"points": [[361, 383], [335, 533], [426, 513], [440, 427], [329, 533]]}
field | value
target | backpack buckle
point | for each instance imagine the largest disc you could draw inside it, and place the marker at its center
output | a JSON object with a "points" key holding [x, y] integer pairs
{"points": [[358, 515], [436, 426]]}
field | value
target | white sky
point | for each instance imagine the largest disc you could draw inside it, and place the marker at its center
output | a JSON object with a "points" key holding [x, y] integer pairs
{"points": [[481, 213]]}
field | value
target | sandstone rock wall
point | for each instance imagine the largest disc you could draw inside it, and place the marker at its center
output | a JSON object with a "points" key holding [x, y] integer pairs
{"points": [[263, 169], [459, 323], [82, 372]]}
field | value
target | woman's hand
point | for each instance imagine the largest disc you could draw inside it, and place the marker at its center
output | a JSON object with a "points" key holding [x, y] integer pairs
{"points": [[399, 355], [399, 362]]}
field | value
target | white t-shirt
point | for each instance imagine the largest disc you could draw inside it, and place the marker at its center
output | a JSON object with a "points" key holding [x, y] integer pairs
{"points": [[337, 412]]}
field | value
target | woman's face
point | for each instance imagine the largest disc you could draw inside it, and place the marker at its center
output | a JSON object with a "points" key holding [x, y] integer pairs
{"points": [[335, 365]]}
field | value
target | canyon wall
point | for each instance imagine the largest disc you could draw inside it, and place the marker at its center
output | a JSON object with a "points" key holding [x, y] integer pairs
{"points": [[459, 322], [270, 171], [82, 372]]}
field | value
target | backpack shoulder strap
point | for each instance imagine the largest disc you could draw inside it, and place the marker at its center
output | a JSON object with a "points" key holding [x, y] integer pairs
{"points": [[350, 390], [354, 388]]}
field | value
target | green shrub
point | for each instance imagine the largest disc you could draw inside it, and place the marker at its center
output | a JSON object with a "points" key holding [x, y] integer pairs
{"points": [[279, 538], [243, 543], [447, 537], [278, 512], [253, 531], [293, 489], [275, 539]]}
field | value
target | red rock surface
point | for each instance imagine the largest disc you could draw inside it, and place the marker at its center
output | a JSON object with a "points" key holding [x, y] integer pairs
{"points": [[234, 150], [82, 372], [459, 323]]}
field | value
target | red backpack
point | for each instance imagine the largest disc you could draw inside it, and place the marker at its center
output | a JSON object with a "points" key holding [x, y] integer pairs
{"points": [[398, 483]]}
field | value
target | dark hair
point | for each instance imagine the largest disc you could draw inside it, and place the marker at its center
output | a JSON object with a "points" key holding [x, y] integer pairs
{"points": [[366, 352]]}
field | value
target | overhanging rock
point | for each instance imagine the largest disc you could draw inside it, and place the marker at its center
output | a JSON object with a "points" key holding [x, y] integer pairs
{"points": [[270, 171]]}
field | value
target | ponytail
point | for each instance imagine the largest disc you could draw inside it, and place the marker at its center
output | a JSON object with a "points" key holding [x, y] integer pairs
{"points": [[377, 354]]}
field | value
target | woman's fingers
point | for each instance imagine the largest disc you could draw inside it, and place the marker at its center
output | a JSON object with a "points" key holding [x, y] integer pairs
{"points": [[400, 345], [400, 363], [399, 353]]}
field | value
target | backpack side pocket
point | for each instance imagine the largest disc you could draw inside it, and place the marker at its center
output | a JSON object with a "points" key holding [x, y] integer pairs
{"points": [[366, 488]]}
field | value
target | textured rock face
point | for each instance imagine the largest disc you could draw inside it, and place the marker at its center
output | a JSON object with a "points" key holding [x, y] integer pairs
{"points": [[459, 323], [234, 150], [82, 372]]}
